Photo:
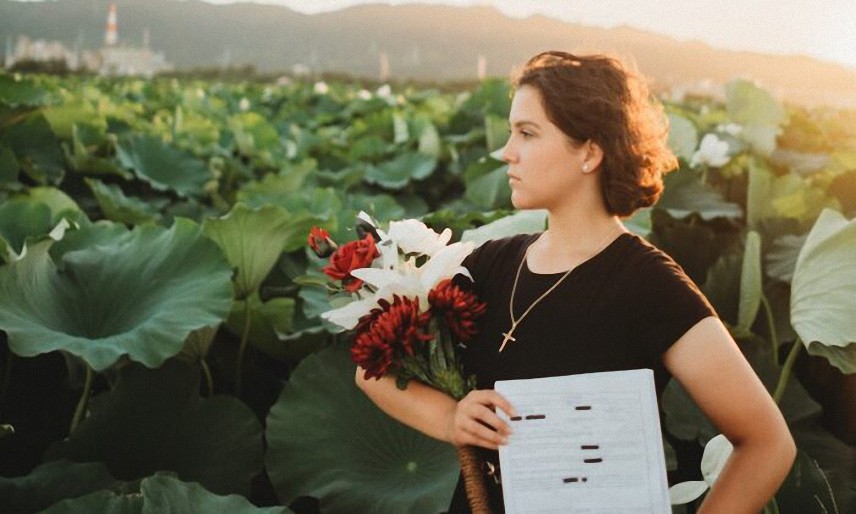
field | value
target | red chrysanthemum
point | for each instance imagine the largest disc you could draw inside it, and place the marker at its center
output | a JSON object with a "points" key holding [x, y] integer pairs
{"points": [[392, 331], [460, 309]]}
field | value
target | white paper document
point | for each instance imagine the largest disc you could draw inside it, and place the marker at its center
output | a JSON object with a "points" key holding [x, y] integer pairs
{"points": [[584, 444]]}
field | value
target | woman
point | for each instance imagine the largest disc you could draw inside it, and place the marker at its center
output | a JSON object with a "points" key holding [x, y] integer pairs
{"points": [[586, 295]]}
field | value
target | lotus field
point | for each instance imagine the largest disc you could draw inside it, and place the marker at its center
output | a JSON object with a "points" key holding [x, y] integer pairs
{"points": [[160, 342]]}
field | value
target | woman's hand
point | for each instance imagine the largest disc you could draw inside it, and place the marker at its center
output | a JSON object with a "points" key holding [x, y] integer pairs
{"points": [[474, 421]]}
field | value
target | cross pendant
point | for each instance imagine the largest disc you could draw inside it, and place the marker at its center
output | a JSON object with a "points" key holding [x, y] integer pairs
{"points": [[508, 337]]}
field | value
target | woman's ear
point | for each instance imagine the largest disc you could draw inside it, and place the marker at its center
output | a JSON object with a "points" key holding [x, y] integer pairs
{"points": [[592, 157]]}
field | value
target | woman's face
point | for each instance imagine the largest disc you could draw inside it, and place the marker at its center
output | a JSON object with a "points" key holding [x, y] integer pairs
{"points": [[544, 167]]}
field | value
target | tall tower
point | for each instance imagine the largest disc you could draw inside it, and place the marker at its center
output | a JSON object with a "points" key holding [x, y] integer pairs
{"points": [[384, 67], [111, 36]]}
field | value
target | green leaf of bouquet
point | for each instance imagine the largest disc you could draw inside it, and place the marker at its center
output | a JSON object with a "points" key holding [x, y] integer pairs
{"points": [[37, 149], [399, 172], [51, 482], [822, 299], [750, 283], [154, 419], [104, 292], [683, 136], [252, 241], [522, 222], [371, 463], [685, 194], [161, 165], [120, 208]]}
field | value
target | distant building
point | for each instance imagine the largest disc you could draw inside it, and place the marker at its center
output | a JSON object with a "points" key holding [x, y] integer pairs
{"points": [[111, 60]]}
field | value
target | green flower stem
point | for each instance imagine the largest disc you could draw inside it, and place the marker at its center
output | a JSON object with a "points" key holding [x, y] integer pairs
{"points": [[209, 381], [243, 348], [785, 374], [774, 506], [84, 400], [771, 326]]}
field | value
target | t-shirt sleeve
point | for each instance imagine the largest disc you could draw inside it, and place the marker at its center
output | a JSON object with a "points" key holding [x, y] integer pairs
{"points": [[670, 305]]}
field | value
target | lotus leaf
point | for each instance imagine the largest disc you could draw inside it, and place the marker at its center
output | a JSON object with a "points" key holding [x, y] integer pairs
{"points": [[162, 494], [268, 321], [63, 117], [399, 172], [685, 194], [822, 291], [154, 419], [17, 91], [328, 440], [117, 207], [104, 292], [20, 220], [163, 166], [52, 482], [683, 136], [9, 167], [252, 241], [37, 149]]}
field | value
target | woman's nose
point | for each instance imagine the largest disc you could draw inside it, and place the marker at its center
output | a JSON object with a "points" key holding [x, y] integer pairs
{"points": [[506, 154]]}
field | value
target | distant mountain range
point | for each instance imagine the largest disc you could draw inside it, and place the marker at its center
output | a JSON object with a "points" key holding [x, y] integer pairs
{"points": [[420, 42]]}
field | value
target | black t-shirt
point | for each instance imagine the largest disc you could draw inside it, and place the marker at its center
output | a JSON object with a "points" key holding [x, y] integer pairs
{"points": [[619, 310]]}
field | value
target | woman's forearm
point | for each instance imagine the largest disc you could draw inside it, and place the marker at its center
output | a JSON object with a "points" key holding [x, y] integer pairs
{"points": [[419, 406], [745, 486]]}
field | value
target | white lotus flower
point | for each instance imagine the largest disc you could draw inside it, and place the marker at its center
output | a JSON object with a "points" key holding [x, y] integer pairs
{"points": [[732, 129], [413, 236], [384, 91], [712, 151], [321, 88], [716, 453], [244, 104], [364, 94]]}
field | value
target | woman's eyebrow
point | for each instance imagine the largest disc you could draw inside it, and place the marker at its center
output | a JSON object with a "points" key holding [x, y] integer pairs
{"points": [[520, 123]]}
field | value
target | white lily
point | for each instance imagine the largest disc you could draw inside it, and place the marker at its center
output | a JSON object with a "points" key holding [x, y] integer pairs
{"points": [[403, 279], [413, 236], [712, 151]]}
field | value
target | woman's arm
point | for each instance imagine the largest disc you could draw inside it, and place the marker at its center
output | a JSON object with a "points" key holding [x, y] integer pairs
{"points": [[707, 362], [438, 415]]}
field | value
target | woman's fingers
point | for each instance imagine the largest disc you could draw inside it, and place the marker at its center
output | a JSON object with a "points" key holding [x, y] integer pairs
{"points": [[476, 422]]}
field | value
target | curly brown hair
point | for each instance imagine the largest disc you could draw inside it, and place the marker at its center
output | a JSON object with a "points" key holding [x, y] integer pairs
{"points": [[598, 98]]}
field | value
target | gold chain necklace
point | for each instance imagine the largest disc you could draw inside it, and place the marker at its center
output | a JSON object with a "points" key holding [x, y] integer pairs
{"points": [[508, 336]]}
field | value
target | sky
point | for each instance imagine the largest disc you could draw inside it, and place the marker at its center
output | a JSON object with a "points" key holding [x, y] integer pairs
{"points": [[817, 28]]}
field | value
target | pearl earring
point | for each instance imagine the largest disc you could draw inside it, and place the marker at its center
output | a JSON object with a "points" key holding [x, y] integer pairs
{"points": [[585, 168]]}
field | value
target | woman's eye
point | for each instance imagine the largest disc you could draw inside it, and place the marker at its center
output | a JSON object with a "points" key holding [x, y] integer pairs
{"points": [[526, 134]]}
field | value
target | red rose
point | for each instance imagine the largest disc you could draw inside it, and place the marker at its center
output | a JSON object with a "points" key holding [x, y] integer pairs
{"points": [[348, 257], [320, 243]]}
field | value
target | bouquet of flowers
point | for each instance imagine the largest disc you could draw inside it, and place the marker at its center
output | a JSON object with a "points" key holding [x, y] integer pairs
{"points": [[394, 290]]}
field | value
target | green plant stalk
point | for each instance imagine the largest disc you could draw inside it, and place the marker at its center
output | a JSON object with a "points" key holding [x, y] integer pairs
{"points": [[7, 373], [785, 374], [209, 381], [774, 506], [245, 336], [771, 326], [84, 399]]}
